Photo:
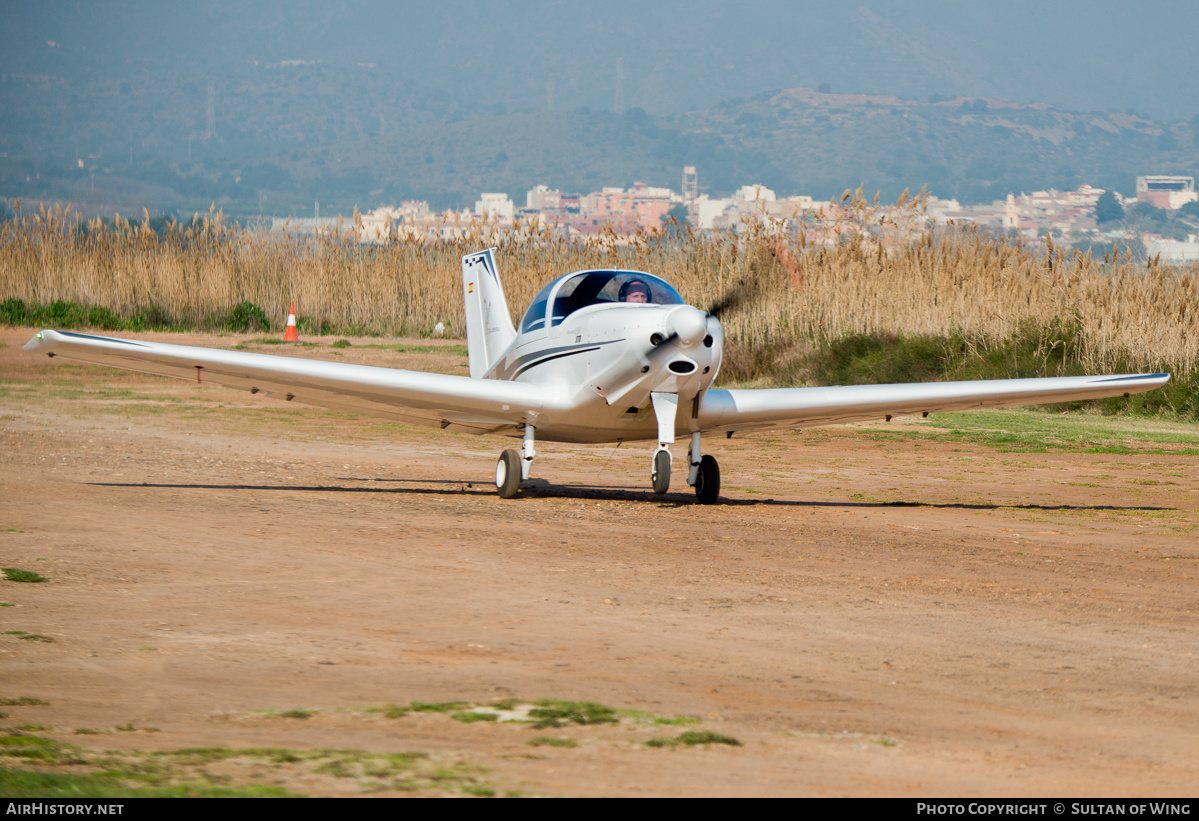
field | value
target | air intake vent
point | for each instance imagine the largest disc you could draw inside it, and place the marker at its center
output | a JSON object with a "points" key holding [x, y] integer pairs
{"points": [[681, 366]]}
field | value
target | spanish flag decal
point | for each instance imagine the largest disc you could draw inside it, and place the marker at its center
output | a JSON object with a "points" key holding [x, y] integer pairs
{"points": [[470, 287]]}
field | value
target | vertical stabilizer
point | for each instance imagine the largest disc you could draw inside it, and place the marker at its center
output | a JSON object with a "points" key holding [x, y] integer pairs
{"points": [[489, 330]]}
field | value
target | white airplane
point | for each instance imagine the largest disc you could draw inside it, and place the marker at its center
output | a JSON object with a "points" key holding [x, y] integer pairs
{"points": [[600, 356]]}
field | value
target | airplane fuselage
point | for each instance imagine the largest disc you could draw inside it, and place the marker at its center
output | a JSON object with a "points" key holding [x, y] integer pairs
{"points": [[604, 360]]}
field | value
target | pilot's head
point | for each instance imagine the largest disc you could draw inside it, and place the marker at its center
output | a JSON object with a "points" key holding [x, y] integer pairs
{"points": [[635, 290]]}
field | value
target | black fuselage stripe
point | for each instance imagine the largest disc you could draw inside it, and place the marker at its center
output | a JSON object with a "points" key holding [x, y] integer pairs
{"points": [[554, 356], [520, 361]]}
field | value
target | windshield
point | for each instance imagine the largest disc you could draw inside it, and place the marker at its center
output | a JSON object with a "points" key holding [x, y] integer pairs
{"points": [[597, 288]]}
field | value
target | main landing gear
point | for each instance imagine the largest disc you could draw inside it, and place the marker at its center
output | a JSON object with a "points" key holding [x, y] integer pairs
{"points": [[515, 465]]}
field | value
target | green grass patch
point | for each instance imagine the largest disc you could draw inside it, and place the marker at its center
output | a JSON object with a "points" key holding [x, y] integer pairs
{"points": [[388, 710], [1040, 431], [24, 701], [15, 574], [550, 712], [470, 717], [60, 314], [187, 772], [342, 343], [37, 748], [549, 741], [693, 738], [297, 713], [643, 717], [437, 707], [15, 783]]}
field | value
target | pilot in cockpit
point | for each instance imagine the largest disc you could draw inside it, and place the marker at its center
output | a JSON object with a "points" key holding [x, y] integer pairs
{"points": [[635, 291]]}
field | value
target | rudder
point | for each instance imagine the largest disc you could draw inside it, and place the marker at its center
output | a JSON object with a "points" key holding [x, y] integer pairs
{"points": [[489, 329]]}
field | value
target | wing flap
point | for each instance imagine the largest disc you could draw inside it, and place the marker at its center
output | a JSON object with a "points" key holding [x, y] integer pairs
{"points": [[474, 405], [809, 407]]}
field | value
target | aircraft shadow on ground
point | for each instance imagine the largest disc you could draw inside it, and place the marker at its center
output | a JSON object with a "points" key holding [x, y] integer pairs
{"points": [[541, 489]]}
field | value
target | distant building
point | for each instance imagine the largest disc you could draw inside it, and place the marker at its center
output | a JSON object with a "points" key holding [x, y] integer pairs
{"points": [[1174, 251], [642, 206], [388, 222], [1166, 191], [754, 193], [704, 211], [543, 198], [496, 207]]}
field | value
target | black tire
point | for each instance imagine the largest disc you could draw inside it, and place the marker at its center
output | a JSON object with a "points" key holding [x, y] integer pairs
{"points": [[507, 474], [661, 474], [707, 481]]}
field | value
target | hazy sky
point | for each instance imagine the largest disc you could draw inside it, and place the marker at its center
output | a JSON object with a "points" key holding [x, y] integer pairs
{"points": [[1098, 54]]}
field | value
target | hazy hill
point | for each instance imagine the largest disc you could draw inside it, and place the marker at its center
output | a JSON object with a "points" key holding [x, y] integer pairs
{"points": [[970, 148], [287, 134]]}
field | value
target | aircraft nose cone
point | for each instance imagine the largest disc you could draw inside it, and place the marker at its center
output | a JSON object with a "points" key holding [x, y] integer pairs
{"points": [[688, 324]]}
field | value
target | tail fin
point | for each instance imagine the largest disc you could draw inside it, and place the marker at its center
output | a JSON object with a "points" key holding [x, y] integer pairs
{"points": [[489, 329]]}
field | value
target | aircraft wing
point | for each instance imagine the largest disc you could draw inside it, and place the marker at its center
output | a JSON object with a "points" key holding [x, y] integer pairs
{"points": [[447, 401], [732, 410]]}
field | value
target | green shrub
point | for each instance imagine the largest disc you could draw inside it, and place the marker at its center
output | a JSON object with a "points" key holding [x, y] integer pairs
{"points": [[245, 317], [14, 574]]}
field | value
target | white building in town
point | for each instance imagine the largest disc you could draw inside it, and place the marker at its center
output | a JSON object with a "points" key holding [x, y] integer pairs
{"points": [[496, 207]]}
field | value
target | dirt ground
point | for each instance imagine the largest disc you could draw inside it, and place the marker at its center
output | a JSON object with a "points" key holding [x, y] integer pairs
{"points": [[872, 610]]}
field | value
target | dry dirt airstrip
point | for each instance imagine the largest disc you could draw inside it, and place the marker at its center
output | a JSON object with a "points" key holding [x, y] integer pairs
{"points": [[1022, 622]]}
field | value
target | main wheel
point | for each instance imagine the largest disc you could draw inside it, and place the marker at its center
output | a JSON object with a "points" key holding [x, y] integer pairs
{"points": [[707, 481], [507, 473], [661, 475]]}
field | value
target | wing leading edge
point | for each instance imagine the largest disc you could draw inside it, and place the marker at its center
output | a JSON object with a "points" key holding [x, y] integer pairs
{"points": [[457, 402], [809, 407]]}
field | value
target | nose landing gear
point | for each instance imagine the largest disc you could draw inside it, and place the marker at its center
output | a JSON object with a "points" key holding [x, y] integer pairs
{"points": [[661, 472]]}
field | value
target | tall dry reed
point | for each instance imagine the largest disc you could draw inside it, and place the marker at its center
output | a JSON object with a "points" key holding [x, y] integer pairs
{"points": [[861, 269]]}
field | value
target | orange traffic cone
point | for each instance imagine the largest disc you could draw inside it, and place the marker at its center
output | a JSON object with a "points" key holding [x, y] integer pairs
{"points": [[291, 335]]}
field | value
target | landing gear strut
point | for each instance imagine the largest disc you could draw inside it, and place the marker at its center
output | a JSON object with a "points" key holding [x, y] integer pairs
{"points": [[666, 407]]}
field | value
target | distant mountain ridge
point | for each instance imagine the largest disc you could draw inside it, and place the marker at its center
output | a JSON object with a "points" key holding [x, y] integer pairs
{"points": [[971, 148], [286, 135]]}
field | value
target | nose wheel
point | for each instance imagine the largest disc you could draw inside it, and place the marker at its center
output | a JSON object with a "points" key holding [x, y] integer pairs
{"points": [[661, 472]]}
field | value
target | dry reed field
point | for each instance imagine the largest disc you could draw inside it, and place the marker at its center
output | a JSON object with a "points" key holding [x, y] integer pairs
{"points": [[864, 271]]}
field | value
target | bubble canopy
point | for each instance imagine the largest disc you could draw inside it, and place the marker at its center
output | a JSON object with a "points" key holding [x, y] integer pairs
{"points": [[573, 292]]}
